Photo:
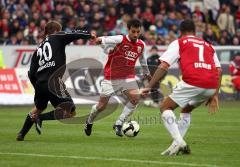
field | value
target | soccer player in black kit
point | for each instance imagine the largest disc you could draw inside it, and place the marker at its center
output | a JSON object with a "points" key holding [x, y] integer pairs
{"points": [[47, 59]]}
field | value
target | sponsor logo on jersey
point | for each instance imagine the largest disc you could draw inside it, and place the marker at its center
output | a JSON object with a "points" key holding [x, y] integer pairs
{"points": [[130, 55]]}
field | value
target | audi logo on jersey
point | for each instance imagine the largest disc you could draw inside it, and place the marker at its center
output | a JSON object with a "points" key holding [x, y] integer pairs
{"points": [[130, 55]]}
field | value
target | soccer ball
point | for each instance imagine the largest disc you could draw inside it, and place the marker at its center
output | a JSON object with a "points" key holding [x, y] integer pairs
{"points": [[131, 128]]}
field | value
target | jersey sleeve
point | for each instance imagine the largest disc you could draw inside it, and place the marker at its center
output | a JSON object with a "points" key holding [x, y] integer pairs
{"points": [[33, 69], [68, 37], [171, 55], [216, 61], [143, 61], [111, 40]]}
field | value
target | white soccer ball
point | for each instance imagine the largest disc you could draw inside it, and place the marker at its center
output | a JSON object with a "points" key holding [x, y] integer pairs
{"points": [[131, 128]]}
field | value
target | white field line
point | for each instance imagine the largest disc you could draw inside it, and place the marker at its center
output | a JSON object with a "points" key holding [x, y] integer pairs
{"points": [[109, 159]]}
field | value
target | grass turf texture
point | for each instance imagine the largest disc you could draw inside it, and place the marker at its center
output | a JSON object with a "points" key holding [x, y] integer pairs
{"points": [[214, 140]]}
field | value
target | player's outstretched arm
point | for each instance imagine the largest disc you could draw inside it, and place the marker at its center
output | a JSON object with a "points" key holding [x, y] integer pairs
{"points": [[33, 69], [157, 76], [144, 66], [68, 37], [212, 102], [109, 40]]}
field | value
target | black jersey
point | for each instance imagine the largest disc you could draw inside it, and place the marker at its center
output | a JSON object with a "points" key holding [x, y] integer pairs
{"points": [[50, 54]]}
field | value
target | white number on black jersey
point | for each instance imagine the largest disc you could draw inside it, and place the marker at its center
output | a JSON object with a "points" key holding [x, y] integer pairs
{"points": [[45, 53]]}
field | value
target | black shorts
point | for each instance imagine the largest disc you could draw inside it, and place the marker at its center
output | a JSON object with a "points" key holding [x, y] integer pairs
{"points": [[58, 96]]}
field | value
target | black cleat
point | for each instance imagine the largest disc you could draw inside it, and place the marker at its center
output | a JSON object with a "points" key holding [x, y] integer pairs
{"points": [[20, 137], [38, 125], [88, 129], [186, 150], [118, 130]]}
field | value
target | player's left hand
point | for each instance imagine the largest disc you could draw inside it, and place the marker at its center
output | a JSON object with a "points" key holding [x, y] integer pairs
{"points": [[212, 104], [144, 91]]}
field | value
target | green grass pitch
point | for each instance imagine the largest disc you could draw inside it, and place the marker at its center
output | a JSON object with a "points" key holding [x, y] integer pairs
{"points": [[214, 141]]}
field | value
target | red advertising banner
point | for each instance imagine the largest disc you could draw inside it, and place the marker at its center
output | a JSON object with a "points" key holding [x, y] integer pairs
{"points": [[9, 82]]}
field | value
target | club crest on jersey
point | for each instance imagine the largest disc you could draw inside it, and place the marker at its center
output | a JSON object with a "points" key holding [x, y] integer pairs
{"points": [[126, 47], [139, 49]]}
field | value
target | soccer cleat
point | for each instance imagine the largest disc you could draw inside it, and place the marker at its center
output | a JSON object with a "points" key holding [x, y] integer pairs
{"points": [[38, 125], [118, 130], [185, 150], [88, 129], [167, 151], [20, 137], [177, 149]]}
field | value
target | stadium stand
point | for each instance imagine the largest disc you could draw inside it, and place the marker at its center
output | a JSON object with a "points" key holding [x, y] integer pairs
{"points": [[218, 21]]}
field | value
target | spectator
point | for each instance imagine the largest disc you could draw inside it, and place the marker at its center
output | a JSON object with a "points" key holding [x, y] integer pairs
{"points": [[199, 14], [151, 35], [212, 7], [237, 16], [210, 36], [27, 16], [234, 69], [171, 20], [235, 41], [225, 34], [222, 41], [148, 18], [161, 30], [225, 21], [12, 41], [124, 7]]}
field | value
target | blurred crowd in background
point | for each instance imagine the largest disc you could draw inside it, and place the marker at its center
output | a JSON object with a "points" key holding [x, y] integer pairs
{"points": [[218, 21]]}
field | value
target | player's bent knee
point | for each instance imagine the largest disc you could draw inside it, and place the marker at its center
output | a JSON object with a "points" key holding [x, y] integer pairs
{"points": [[101, 106]]}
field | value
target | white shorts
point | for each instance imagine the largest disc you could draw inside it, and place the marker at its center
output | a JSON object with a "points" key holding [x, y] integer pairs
{"points": [[184, 94], [110, 87]]}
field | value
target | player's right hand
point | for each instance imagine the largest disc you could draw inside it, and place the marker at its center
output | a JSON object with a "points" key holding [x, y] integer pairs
{"points": [[212, 104], [98, 41]]}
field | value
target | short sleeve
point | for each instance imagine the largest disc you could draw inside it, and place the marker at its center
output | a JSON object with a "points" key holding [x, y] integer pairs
{"points": [[112, 40], [171, 55], [216, 61]]}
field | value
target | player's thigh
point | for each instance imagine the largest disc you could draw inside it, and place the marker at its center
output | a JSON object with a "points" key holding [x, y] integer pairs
{"points": [[183, 93], [107, 88], [41, 96], [168, 104], [133, 95], [131, 89], [63, 101], [201, 97]]}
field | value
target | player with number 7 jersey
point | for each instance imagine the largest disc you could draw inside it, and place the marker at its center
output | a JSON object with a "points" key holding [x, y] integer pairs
{"points": [[201, 79], [197, 60]]}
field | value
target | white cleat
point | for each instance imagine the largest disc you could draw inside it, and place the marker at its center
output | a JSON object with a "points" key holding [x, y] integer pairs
{"points": [[176, 149], [167, 151]]}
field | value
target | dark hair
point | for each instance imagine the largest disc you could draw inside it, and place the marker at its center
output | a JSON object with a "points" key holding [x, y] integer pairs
{"points": [[134, 23], [52, 27], [187, 26]]}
